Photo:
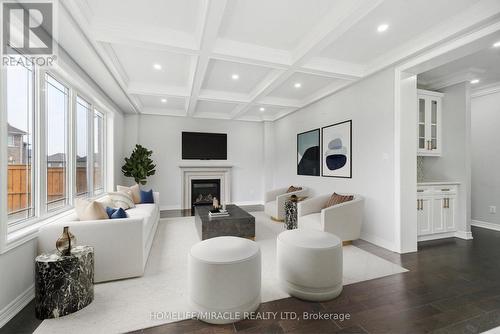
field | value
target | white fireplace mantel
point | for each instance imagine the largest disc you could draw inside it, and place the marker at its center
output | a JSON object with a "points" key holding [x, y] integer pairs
{"points": [[222, 173]]}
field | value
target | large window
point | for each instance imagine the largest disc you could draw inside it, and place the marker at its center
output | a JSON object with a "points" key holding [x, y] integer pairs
{"points": [[98, 152], [57, 143], [82, 146], [68, 160], [20, 117]]}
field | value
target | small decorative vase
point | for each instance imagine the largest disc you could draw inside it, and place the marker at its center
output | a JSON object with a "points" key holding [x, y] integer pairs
{"points": [[65, 242]]}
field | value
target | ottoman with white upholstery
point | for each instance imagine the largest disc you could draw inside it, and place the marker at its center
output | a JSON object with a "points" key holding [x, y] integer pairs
{"points": [[224, 279], [310, 264]]}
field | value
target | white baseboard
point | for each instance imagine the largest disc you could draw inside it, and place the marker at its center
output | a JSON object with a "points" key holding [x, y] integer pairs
{"points": [[490, 226], [436, 236], [15, 306], [379, 242], [457, 234], [464, 235]]}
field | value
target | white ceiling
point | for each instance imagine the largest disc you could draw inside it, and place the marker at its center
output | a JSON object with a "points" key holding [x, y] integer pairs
{"points": [[271, 45], [483, 65]]}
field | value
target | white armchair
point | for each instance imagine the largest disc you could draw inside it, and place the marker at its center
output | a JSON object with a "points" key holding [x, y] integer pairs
{"points": [[275, 202], [344, 220]]}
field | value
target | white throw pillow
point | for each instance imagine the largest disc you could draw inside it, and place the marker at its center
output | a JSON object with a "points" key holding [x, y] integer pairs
{"points": [[89, 210], [135, 190], [106, 201], [122, 199]]}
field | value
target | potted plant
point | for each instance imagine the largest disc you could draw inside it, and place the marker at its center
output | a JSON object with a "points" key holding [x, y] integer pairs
{"points": [[139, 165]]}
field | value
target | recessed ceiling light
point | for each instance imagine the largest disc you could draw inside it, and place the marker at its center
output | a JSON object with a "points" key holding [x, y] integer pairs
{"points": [[383, 27], [157, 66], [235, 76], [496, 45], [474, 81], [297, 85], [262, 109], [163, 100]]}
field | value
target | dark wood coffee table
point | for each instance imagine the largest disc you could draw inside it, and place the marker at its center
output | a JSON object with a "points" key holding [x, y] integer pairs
{"points": [[239, 223]]}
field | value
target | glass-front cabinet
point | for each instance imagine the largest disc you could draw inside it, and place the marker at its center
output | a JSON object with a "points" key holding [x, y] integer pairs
{"points": [[429, 140]]}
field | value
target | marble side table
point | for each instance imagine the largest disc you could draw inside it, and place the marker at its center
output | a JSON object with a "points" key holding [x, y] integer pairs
{"points": [[64, 284]]}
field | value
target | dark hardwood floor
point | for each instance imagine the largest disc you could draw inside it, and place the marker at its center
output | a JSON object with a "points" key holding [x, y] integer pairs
{"points": [[453, 286]]}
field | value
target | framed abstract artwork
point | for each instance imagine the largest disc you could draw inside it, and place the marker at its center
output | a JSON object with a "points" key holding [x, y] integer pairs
{"points": [[308, 153], [337, 150]]}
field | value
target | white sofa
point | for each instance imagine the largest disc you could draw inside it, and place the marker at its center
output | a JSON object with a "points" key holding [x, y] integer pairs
{"points": [[344, 220], [121, 246], [275, 202]]}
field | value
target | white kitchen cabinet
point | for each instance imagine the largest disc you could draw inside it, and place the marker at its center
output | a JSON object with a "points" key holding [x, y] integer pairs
{"points": [[429, 117], [436, 210], [424, 217]]}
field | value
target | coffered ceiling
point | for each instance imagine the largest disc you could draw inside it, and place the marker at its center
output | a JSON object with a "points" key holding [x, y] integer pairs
{"points": [[257, 59]]}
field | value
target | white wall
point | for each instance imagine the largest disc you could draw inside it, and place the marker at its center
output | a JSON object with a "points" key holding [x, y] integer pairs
{"points": [[454, 163], [17, 279], [162, 134], [370, 105], [485, 121]]}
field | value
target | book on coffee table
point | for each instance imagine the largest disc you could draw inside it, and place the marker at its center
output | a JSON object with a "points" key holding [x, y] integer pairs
{"points": [[218, 213]]}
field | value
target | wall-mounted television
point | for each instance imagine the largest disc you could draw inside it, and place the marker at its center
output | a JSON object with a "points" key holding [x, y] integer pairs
{"points": [[204, 146]]}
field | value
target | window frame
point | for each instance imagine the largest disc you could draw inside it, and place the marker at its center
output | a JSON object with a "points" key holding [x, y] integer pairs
{"points": [[39, 198], [103, 188], [22, 223], [44, 195]]}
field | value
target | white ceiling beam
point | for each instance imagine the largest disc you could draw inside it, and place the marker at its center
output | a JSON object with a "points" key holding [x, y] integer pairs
{"points": [[336, 22], [334, 68], [251, 54], [328, 90], [139, 88], [221, 96], [278, 101], [270, 82], [208, 35], [164, 111], [145, 37]]}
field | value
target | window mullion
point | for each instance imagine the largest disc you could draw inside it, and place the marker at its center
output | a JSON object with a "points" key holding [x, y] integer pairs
{"points": [[40, 151], [72, 148], [90, 155]]}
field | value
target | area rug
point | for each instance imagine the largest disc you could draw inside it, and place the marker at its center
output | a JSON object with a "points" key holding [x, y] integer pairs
{"points": [[160, 296]]}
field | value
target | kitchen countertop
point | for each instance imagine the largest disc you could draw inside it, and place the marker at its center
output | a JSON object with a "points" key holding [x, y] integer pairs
{"points": [[437, 183]]}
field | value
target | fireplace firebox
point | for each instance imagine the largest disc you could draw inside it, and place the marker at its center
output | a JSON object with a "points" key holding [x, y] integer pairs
{"points": [[204, 191]]}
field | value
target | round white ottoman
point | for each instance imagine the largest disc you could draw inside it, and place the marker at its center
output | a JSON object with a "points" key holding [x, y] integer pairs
{"points": [[224, 279], [310, 264]]}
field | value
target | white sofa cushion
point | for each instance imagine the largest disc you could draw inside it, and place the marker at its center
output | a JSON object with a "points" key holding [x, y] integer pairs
{"points": [[271, 209], [311, 222], [89, 210]]}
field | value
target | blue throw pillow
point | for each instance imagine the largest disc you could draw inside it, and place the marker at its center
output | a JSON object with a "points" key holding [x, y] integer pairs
{"points": [[110, 211], [147, 197], [116, 213]]}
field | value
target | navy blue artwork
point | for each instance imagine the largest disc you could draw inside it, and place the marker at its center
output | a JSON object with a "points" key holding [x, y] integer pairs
{"points": [[308, 153], [337, 154]]}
